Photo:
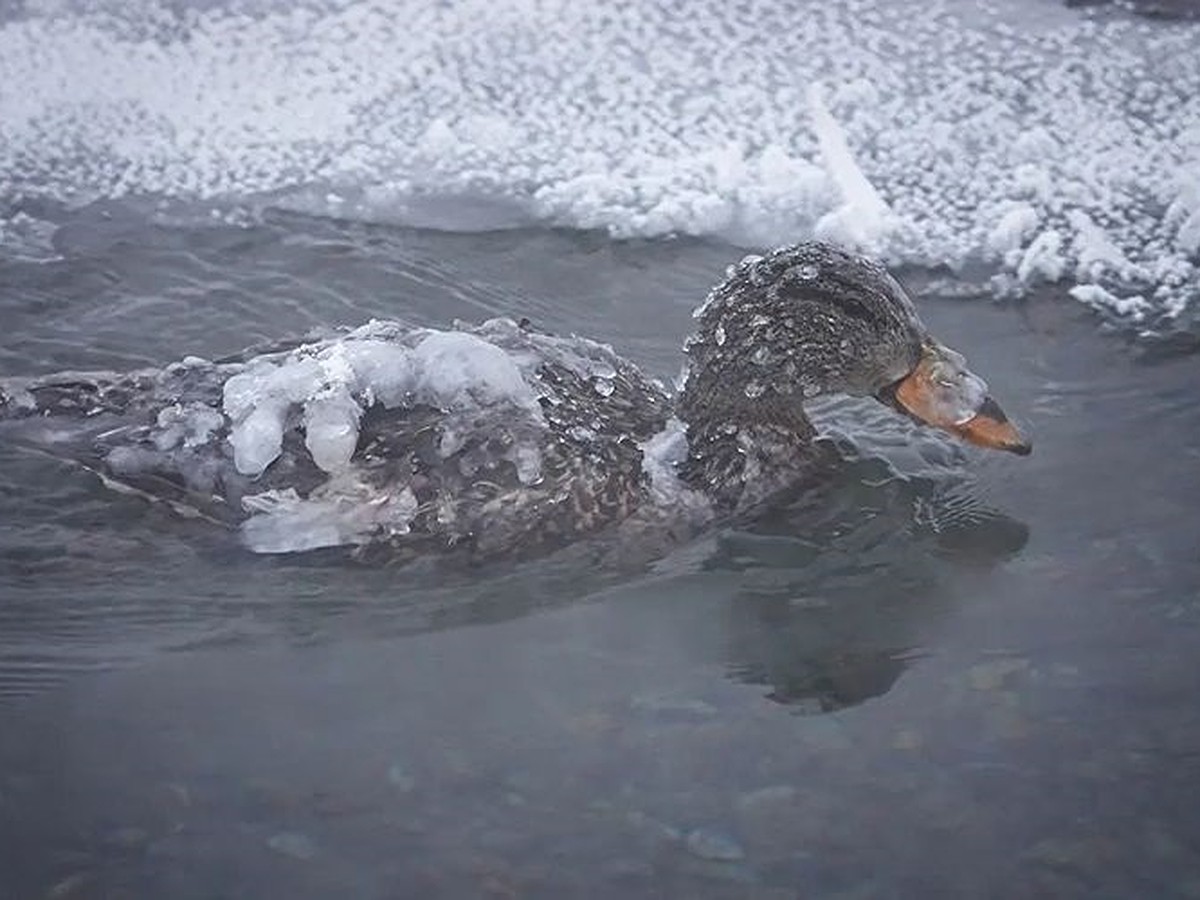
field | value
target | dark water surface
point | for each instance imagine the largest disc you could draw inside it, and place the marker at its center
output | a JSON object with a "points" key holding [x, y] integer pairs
{"points": [[880, 692]]}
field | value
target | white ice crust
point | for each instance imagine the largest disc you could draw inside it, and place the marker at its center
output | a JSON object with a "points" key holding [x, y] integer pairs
{"points": [[1054, 142], [469, 374], [863, 219], [661, 454], [340, 512], [328, 384]]}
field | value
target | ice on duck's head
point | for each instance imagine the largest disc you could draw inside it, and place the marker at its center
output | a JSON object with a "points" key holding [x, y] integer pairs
{"points": [[329, 384]]}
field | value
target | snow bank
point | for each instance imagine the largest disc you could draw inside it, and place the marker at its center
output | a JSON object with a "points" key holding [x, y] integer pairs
{"points": [[1058, 143]]}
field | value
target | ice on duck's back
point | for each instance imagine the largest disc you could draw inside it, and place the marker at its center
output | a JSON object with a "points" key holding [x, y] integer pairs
{"points": [[342, 511], [661, 456], [330, 383], [188, 425], [257, 402], [454, 369], [331, 428], [466, 373]]}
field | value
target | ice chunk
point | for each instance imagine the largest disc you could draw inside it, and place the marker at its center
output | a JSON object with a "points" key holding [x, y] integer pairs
{"points": [[601, 368], [257, 439], [1042, 258], [382, 371], [661, 455], [957, 392], [864, 219], [528, 460], [331, 429], [1012, 229], [1187, 238], [1183, 214], [257, 403], [1096, 253], [1133, 308], [336, 362], [458, 369], [333, 381], [588, 359], [285, 523], [343, 511], [258, 400], [191, 425]]}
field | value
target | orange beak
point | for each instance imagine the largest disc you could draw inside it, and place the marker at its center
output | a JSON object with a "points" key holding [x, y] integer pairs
{"points": [[990, 428], [923, 395]]}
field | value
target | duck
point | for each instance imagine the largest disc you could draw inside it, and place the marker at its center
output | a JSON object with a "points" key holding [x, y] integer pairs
{"points": [[499, 439]]}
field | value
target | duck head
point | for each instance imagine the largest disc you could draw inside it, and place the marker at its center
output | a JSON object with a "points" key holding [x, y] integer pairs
{"points": [[941, 391], [815, 319]]}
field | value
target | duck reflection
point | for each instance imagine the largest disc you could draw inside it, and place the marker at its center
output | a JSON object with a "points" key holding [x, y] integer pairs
{"points": [[833, 619]]}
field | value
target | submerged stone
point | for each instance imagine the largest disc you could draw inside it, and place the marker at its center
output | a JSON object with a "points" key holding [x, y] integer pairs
{"points": [[399, 778], [653, 828], [715, 845], [293, 844], [908, 739], [670, 705], [127, 838], [71, 886], [990, 676], [764, 797]]}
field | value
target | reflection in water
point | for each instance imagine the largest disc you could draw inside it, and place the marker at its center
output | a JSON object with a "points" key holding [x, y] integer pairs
{"points": [[830, 590], [523, 705], [498, 731], [833, 618]]}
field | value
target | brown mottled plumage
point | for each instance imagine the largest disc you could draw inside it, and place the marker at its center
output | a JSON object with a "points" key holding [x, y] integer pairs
{"points": [[800, 322]]}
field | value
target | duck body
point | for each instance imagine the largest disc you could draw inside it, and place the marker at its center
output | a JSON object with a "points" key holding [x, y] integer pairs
{"points": [[486, 438], [494, 439]]}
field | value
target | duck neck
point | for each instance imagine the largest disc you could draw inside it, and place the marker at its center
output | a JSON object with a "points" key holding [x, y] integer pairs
{"points": [[740, 456]]}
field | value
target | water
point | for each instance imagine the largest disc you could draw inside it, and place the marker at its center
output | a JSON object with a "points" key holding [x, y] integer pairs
{"points": [[948, 674], [938, 673]]}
